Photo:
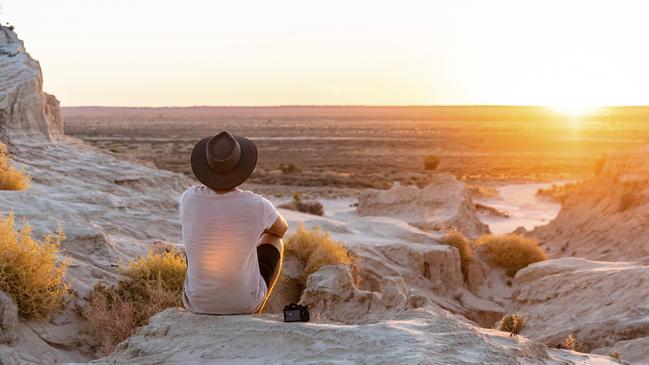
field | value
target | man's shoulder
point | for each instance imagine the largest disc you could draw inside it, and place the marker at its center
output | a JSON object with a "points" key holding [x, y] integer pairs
{"points": [[196, 189], [247, 194], [238, 194]]}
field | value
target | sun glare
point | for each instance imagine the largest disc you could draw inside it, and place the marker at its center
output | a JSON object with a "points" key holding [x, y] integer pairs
{"points": [[574, 111]]}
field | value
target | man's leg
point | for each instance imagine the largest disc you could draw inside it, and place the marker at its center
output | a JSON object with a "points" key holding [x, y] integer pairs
{"points": [[271, 239], [270, 253]]}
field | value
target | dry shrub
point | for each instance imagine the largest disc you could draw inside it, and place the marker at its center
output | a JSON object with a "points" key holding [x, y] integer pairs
{"points": [[10, 178], [616, 355], [316, 249], [479, 191], [110, 319], [558, 193], [512, 252], [167, 267], [310, 206], [481, 208], [431, 162], [151, 284], [457, 240], [288, 168], [31, 271], [570, 342], [512, 323]]}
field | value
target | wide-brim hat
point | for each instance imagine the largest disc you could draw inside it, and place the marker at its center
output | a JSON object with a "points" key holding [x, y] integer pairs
{"points": [[224, 161]]}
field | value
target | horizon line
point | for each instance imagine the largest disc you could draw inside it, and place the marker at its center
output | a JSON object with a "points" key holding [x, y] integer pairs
{"points": [[349, 106]]}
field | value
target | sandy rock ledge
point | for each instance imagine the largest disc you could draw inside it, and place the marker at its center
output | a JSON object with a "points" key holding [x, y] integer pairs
{"points": [[428, 335]]}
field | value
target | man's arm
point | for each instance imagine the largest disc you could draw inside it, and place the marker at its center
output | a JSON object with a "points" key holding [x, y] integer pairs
{"points": [[279, 228], [273, 235]]}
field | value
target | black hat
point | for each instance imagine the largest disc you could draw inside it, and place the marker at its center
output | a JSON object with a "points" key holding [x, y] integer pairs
{"points": [[224, 161]]}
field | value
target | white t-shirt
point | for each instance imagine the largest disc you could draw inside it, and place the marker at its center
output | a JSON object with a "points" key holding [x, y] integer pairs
{"points": [[220, 233]]}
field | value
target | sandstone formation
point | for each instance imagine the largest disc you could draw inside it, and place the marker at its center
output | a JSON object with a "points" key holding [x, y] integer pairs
{"points": [[25, 110], [635, 351], [8, 319], [605, 217], [444, 204], [428, 335], [601, 304], [385, 247], [332, 295], [109, 208]]}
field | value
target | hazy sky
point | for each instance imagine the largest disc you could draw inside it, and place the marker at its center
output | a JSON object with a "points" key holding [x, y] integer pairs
{"points": [[192, 52]]}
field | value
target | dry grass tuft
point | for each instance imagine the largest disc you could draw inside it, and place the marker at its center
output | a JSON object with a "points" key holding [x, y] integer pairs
{"points": [[167, 268], [462, 244], [512, 323], [512, 252], [151, 284], [31, 271], [617, 356], [570, 342], [316, 249], [10, 178]]}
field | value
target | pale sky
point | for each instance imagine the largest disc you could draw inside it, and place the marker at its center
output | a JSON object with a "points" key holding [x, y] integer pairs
{"points": [[192, 52]]}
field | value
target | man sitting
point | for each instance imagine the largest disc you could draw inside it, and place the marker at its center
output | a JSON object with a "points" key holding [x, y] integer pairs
{"points": [[232, 238]]}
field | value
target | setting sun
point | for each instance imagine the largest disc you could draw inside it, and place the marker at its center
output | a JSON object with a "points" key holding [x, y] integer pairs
{"points": [[575, 111]]}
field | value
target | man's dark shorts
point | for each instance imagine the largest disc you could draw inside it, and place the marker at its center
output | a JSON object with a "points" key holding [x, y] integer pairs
{"points": [[268, 256]]}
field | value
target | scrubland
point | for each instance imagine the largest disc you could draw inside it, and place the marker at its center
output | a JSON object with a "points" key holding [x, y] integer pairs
{"points": [[329, 149]]}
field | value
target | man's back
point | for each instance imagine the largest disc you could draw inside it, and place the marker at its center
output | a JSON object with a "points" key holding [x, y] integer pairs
{"points": [[220, 234]]}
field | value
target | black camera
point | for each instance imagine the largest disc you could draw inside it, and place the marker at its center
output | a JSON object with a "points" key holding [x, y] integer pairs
{"points": [[296, 313]]}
